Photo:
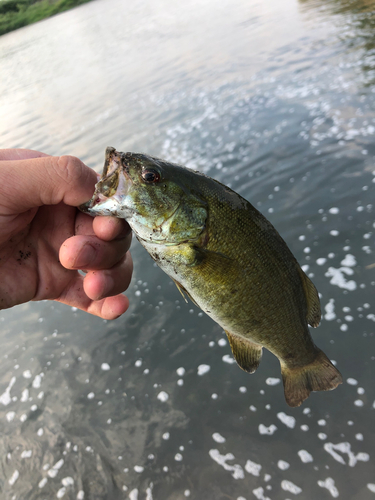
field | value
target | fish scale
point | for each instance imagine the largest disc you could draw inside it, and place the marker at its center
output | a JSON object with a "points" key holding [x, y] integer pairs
{"points": [[227, 257]]}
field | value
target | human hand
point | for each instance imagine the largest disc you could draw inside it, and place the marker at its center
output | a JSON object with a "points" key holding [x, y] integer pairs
{"points": [[45, 240]]}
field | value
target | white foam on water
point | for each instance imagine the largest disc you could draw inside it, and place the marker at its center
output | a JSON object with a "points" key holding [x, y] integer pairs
{"points": [[149, 492], [349, 261], [80, 495], [273, 381], [227, 358], [178, 457], [67, 481], [338, 278], [253, 468], [42, 482], [236, 469], [163, 396], [26, 453], [14, 477], [5, 398], [10, 415], [55, 468], [330, 310], [24, 395], [37, 381], [267, 430], [27, 374], [351, 381], [180, 371], [290, 487], [283, 465], [371, 487], [321, 261], [61, 492], [329, 484], [345, 449], [138, 468], [202, 369], [90, 395], [133, 494], [259, 494], [218, 437], [288, 420], [334, 210], [105, 367], [305, 456]]}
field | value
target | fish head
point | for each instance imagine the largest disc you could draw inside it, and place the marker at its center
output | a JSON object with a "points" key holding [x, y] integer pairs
{"points": [[153, 195]]}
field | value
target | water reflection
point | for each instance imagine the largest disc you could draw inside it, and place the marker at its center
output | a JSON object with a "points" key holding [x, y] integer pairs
{"points": [[357, 20]]}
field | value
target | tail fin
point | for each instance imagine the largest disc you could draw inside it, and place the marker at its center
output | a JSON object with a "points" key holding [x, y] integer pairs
{"points": [[319, 375]]}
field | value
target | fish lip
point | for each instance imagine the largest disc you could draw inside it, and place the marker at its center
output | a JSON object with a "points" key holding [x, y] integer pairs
{"points": [[113, 162]]}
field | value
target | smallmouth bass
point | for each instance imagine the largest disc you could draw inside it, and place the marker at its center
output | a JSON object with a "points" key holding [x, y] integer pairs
{"points": [[227, 258]]}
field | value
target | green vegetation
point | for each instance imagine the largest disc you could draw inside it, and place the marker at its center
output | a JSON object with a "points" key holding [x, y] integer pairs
{"points": [[17, 13]]}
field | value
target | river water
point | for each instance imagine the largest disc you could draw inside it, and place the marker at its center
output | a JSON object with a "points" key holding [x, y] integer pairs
{"points": [[275, 99]]}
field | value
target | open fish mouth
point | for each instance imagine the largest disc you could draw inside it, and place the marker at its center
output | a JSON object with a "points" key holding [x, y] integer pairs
{"points": [[112, 188]]}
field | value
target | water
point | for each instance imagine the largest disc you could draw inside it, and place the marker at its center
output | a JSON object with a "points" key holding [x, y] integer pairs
{"points": [[275, 99]]}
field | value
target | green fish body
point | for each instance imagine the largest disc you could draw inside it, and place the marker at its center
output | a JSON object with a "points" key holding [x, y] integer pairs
{"points": [[227, 258]]}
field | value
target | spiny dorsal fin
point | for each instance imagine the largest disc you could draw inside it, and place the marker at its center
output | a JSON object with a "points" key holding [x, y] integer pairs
{"points": [[246, 353], [312, 299]]}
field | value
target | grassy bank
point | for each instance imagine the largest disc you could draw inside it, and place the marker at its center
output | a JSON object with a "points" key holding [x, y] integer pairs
{"points": [[17, 13]]}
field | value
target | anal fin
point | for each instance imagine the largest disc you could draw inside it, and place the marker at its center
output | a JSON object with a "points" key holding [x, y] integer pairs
{"points": [[246, 353]]}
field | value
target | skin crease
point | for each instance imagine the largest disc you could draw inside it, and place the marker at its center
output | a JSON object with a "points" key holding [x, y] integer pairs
{"points": [[45, 240]]}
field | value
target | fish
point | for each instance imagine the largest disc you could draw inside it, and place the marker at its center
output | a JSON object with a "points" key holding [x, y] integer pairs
{"points": [[227, 258]]}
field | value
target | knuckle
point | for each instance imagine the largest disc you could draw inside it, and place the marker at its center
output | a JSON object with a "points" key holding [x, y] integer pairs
{"points": [[70, 168]]}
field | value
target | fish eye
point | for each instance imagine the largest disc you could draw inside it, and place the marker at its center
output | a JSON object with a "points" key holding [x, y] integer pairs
{"points": [[150, 175]]}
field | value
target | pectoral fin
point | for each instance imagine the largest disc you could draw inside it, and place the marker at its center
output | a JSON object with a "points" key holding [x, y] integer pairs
{"points": [[312, 299], [184, 292], [246, 353]]}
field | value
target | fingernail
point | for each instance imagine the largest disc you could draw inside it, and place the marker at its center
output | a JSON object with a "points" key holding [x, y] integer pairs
{"points": [[86, 256]]}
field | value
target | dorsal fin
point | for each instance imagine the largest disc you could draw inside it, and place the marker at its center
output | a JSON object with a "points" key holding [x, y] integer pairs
{"points": [[246, 353], [312, 300]]}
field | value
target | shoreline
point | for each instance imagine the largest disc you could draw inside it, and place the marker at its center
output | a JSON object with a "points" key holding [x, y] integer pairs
{"points": [[15, 14]]}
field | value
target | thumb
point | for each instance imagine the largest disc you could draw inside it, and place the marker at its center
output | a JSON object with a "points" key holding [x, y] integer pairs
{"points": [[48, 180]]}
